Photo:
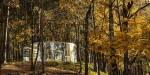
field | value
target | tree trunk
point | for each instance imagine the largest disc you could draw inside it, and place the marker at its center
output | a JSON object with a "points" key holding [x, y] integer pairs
{"points": [[94, 46], [2, 37], [103, 62], [78, 48], [9, 49], [95, 62], [41, 36], [31, 55], [6, 31], [32, 38], [77, 42], [88, 14], [38, 49], [125, 30], [111, 36], [43, 66], [98, 63], [126, 60]]}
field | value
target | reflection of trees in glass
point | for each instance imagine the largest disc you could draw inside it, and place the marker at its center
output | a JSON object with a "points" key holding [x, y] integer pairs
{"points": [[58, 55], [26, 53], [63, 52], [49, 50]]}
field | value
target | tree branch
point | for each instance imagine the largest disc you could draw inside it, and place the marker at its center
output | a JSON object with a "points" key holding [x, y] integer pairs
{"points": [[139, 10]]}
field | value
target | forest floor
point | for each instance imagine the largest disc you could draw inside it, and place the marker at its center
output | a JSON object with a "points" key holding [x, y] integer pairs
{"points": [[23, 68]]}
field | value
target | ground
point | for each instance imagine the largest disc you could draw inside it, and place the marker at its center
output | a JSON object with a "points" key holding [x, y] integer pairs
{"points": [[23, 68]]}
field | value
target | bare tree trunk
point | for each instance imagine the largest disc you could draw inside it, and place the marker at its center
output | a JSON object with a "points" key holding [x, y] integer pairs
{"points": [[94, 46], [98, 63], [2, 36], [41, 37], [32, 46], [78, 48], [38, 49], [13, 49], [77, 42], [9, 48], [95, 62], [32, 38], [111, 36], [43, 66], [88, 14], [31, 55], [6, 32], [125, 30]]}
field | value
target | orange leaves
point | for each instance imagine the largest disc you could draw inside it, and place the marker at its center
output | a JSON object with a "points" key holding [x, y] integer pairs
{"points": [[99, 41], [16, 22], [138, 20], [67, 4]]}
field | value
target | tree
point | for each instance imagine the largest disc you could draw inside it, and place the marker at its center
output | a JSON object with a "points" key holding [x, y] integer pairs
{"points": [[111, 36], [86, 27], [2, 30], [126, 17]]}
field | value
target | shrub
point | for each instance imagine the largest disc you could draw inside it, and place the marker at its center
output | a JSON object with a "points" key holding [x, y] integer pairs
{"points": [[53, 63]]}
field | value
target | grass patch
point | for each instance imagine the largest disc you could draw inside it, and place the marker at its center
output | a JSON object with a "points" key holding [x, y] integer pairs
{"points": [[64, 65], [52, 63], [91, 72], [73, 67]]}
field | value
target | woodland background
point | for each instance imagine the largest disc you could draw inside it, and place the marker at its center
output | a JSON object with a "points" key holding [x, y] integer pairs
{"points": [[112, 36]]}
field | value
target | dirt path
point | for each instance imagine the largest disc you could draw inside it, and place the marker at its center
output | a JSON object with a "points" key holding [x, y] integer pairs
{"points": [[20, 68]]}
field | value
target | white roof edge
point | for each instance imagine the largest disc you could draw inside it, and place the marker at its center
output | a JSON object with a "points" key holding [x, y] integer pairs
{"points": [[56, 42]]}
